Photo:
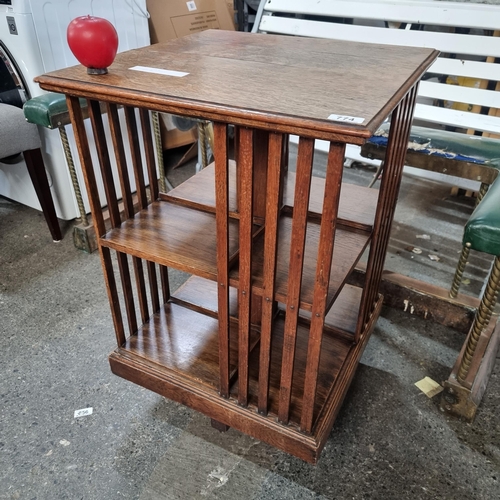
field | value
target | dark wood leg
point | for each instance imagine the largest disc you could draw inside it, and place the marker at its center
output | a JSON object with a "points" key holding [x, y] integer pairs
{"points": [[219, 425], [36, 169]]}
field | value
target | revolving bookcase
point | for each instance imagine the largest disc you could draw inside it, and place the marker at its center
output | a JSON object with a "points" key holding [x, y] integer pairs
{"points": [[266, 333]]}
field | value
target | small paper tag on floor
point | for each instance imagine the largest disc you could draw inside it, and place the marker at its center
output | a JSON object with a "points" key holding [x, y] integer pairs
{"points": [[429, 387], [83, 412]]}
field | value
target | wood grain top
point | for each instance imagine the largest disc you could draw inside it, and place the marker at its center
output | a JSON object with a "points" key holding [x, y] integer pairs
{"points": [[289, 82]]}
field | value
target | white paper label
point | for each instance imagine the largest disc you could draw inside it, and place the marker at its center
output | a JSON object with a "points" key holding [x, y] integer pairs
{"points": [[83, 412], [159, 71], [347, 119], [191, 6]]}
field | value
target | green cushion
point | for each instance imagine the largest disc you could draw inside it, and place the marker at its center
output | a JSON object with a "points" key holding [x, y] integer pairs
{"points": [[482, 230], [48, 110], [453, 145]]}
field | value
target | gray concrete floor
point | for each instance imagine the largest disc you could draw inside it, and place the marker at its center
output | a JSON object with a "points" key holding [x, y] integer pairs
{"points": [[389, 441]]}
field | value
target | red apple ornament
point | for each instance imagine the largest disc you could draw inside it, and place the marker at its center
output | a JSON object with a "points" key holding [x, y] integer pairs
{"points": [[94, 42]]}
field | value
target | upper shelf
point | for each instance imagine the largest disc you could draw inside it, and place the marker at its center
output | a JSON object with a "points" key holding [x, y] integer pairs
{"points": [[287, 84], [356, 209], [172, 235], [347, 250], [183, 238]]}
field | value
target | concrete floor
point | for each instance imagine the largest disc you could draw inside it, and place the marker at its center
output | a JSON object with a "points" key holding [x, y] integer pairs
{"points": [[389, 441]]}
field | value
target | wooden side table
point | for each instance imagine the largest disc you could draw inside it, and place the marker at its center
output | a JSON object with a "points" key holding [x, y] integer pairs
{"points": [[266, 334]]}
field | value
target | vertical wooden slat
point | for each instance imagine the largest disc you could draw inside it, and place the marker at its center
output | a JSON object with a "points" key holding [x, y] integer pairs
{"points": [[393, 168], [237, 160], [154, 190], [153, 286], [141, 193], [111, 197], [274, 200], [97, 216], [128, 204], [259, 168], [260, 148], [165, 284], [121, 161], [297, 244], [222, 229], [245, 259], [143, 202], [104, 162], [135, 151], [127, 291], [331, 198], [150, 153], [286, 152], [141, 289]]}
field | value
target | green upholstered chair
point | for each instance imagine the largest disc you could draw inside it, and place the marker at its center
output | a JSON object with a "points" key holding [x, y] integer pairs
{"points": [[468, 156], [482, 233], [50, 110]]}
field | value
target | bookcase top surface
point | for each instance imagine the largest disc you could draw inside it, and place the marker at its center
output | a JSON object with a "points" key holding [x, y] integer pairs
{"points": [[308, 83]]}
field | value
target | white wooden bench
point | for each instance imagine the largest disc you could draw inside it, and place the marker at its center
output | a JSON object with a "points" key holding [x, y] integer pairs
{"points": [[450, 132], [461, 31]]}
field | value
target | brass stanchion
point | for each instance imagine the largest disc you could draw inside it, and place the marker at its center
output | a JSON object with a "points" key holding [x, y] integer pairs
{"points": [[462, 262], [72, 173], [481, 320]]}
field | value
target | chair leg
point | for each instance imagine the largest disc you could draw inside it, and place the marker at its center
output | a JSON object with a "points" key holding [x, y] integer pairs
{"points": [[36, 169], [481, 319], [377, 174], [457, 279]]}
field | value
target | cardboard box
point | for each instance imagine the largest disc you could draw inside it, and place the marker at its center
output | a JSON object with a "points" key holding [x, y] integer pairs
{"points": [[232, 12], [172, 137], [176, 18]]}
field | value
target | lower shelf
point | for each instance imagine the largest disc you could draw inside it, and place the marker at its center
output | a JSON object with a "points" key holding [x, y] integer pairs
{"points": [[334, 352], [176, 355], [185, 342]]}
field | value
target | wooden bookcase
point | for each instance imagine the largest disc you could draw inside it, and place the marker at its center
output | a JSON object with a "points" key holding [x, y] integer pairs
{"points": [[266, 334]]}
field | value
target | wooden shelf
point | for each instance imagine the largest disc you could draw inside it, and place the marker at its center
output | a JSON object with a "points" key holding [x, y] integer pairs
{"points": [[349, 246], [356, 209], [199, 190], [201, 295], [185, 238], [185, 342], [173, 235]]}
